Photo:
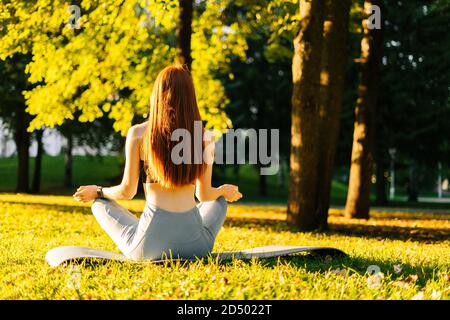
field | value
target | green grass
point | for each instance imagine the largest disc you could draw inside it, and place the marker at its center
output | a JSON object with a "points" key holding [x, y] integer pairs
{"points": [[86, 170], [417, 243]]}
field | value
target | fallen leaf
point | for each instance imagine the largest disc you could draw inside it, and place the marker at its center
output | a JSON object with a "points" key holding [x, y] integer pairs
{"points": [[401, 284], [436, 295], [412, 278], [418, 296], [375, 280], [397, 268], [339, 272]]}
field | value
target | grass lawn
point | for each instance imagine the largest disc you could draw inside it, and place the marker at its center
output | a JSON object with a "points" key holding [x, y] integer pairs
{"points": [[86, 170], [412, 250]]}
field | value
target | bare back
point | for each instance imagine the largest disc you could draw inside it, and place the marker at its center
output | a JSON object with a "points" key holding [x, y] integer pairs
{"points": [[178, 199]]}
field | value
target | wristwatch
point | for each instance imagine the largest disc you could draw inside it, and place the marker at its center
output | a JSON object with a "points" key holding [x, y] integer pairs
{"points": [[100, 192]]}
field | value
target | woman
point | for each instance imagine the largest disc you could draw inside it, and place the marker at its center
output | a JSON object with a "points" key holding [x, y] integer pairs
{"points": [[171, 225]]}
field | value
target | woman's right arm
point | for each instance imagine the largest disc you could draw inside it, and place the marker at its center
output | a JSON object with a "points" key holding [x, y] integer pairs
{"points": [[204, 191]]}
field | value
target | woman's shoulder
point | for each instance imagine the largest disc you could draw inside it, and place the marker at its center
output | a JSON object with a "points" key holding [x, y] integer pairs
{"points": [[208, 136], [137, 131]]}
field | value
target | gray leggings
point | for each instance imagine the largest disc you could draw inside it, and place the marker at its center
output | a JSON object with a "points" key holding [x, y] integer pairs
{"points": [[160, 234]]}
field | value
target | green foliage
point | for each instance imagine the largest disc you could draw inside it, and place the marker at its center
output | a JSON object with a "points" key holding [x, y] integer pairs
{"points": [[109, 65], [276, 19], [413, 111], [414, 104], [259, 87], [213, 42]]}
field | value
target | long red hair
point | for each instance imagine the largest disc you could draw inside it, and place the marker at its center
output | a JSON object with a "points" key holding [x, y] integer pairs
{"points": [[173, 105]]}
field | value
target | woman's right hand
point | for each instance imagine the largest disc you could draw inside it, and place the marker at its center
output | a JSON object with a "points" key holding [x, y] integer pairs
{"points": [[230, 192]]}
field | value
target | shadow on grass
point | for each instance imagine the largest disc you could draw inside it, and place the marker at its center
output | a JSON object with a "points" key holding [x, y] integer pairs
{"points": [[418, 234], [408, 215], [311, 263], [54, 207], [354, 265], [66, 208], [418, 205]]}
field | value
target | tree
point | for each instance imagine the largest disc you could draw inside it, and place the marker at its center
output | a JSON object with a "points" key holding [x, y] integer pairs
{"points": [[68, 158], [359, 188], [305, 108], [334, 58], [318, 70], [259, 87], [93, 137], [12, 111], [415, 112], [118, 51], [36, 184], [184, 32]]}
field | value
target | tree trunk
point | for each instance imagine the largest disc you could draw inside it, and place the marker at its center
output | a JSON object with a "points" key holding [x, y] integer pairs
{"points": [[68, 159], [302, 201], [413, 183], [36, 185], [381, 183], [334, 57], [22, 140], [318, 71], [281, 177], [358, 197], [184, 31]]}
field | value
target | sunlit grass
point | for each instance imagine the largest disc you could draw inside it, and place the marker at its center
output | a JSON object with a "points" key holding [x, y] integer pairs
{"points": [[418, 244]]}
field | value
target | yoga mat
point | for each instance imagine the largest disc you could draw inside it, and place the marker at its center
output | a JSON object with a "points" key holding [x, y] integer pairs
{"points": [[73, 254]]}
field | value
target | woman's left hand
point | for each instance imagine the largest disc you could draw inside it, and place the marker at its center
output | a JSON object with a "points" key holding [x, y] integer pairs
{"points": [[86, 193]]}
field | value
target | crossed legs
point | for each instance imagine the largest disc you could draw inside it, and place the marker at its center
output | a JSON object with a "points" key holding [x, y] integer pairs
{"points": [[119, 223], [122, 226]]}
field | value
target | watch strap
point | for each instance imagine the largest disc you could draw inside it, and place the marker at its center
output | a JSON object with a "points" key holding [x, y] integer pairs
{"points": [[100, 192]]}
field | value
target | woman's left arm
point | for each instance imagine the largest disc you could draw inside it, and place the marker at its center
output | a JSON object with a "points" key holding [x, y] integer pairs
{"points": [[128, 187]]}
